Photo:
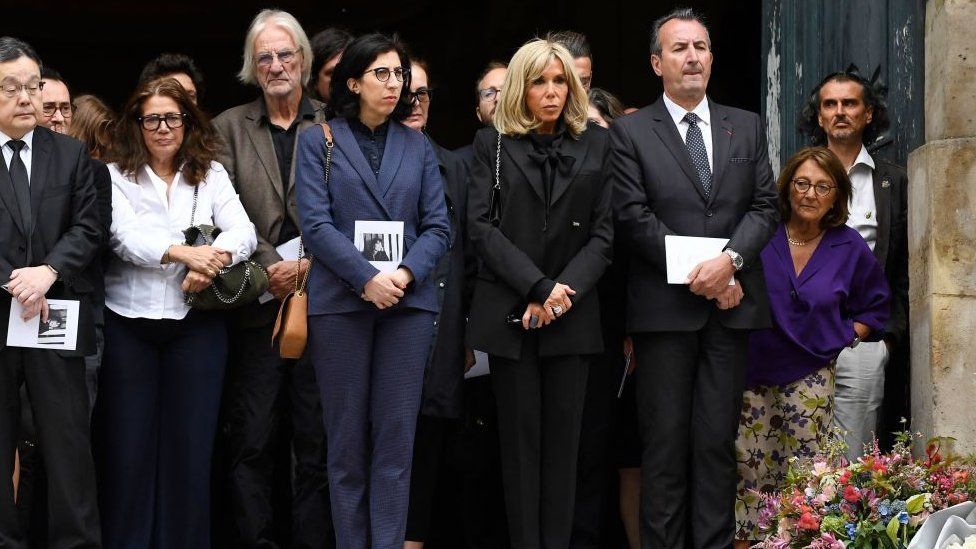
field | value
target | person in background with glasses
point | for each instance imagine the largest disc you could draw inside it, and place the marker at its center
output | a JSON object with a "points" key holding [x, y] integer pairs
{"points": [[55, 102], [440, 408], [827, 292], [162, 375], [271, 410], [370, 331], [488, 87], [49, 233]]}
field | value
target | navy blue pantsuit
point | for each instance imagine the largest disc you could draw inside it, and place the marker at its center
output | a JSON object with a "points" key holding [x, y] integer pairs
{"points": [[370, 382], [155, 422]]}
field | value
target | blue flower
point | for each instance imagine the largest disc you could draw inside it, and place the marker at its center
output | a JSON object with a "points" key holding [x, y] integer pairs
{"points": [[883, 509], [903, 517], [899, 505], [851, 530]]}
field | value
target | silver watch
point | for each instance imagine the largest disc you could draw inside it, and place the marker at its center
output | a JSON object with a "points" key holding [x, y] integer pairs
{"points": [[737, 260]]}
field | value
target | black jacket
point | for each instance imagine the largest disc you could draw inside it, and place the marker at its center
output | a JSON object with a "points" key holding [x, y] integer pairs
{"points": [[573, 247], [657, 192], [891, 246], [445, 367], [66, 232]]}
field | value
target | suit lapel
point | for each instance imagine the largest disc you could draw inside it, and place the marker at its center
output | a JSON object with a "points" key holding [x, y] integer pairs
{"points": [[302, 125], [518, 150], [392, 156], [8, 198], [346, 142], [882, 203], [721, 142], [667, 132], [264, 147], [40, 161], [577, 149]]}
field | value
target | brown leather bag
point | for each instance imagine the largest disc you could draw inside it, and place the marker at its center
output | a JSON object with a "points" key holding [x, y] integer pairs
{"points": [[291, 326]]}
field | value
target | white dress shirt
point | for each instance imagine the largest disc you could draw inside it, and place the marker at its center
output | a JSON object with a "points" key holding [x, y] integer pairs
{"points": [[678, 113], [863, 210], [25, 154], [145, 223]]}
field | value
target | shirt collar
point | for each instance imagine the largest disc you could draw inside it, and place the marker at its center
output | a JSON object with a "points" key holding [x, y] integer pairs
{"points": [[28, 138], [863, 158], [357, 126], [305, 109], [678, 112]]}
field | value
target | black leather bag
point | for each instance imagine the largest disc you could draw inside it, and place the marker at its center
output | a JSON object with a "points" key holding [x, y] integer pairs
{"points": [[233, 286]]}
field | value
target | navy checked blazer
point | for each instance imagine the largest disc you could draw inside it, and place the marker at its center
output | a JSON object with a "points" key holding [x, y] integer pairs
{"points": [[408, 189]]}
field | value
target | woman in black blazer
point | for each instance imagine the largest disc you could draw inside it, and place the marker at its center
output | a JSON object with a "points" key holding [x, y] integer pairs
{"points": [[543, 238]]}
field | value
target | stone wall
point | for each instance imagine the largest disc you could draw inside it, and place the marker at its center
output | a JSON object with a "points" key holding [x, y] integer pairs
{"points": [[942, 230]]}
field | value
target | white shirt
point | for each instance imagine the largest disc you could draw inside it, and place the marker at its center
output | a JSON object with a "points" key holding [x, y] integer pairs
{"points": [[25, 153], [678, 113], [863, 210], [145, 224]]}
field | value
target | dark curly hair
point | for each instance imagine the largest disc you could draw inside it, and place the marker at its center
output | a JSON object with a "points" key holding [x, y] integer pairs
{"points": [[357, 57], [873, 95], [200, 143]]}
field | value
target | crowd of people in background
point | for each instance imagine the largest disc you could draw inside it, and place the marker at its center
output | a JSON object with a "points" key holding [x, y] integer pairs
{"points": [[621, 408]]}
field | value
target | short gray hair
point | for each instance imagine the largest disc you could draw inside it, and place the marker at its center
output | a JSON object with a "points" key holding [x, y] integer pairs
{"points": [[286, 21], [683, 14], [12, 49]]}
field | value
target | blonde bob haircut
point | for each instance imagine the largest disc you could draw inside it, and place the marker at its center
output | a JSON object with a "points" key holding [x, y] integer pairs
{"points": [[286, 22], [512, 116]]}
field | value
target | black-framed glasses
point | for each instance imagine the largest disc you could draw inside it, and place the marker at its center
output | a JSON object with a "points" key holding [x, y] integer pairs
{"points": [[488, 94], [266, 58], [50, 108], [822, 189], [151, 122], [12, 90], [422, 95], [383, 73]]}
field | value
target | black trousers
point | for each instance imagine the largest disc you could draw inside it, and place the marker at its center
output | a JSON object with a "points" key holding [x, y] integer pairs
{"points": [[430, 448], [689, 392], [540, 408], [272, 411], [59, 402]]}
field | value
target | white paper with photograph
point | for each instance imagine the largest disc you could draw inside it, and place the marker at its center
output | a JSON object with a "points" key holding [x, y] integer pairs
{"points": [[381, 243], [684, 252], [288, 251], [480, 367], [60, 332]]}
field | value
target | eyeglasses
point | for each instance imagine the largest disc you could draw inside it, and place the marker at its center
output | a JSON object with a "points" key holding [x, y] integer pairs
{"points": [[383, 73], [151, 122], [50, 108], [822, 189], [422, 95], [488, 94], [266, 58], [13, 90]]}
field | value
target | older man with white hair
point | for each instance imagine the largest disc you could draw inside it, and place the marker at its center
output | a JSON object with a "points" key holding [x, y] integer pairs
{"points": [[268, 397]]}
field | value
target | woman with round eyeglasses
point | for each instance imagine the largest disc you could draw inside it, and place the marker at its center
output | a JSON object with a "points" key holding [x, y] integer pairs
{"points": [[370, 323], [826, 292], [163, 367]]}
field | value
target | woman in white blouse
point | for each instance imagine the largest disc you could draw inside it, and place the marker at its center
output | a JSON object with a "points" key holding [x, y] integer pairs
{"points": [[160, 384]]}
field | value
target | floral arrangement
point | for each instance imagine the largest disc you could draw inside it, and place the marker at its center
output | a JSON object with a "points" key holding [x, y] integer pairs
{"points": [[877, 502]]}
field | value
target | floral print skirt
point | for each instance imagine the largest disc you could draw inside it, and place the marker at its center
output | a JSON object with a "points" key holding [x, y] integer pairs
{"points": [[777, 423]]}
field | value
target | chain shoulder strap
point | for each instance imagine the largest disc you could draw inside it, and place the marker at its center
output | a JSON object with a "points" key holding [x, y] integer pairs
{"points": [[498, 163], [193, 212]]}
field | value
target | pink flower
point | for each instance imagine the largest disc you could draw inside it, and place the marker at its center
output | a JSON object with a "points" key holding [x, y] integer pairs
{"points": [[808, 521]]}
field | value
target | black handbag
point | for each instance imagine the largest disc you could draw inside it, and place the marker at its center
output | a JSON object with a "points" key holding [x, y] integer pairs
{"points": [[233, 286], [495, 200]]}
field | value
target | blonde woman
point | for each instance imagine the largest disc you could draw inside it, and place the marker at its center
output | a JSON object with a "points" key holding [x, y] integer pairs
{"points": [[543, 237]]}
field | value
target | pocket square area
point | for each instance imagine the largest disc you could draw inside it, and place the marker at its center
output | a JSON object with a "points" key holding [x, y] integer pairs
{"points": [[740, 160]]}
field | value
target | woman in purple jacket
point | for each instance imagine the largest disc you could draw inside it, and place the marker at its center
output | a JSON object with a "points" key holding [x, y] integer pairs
{"points": [[826, 292]]}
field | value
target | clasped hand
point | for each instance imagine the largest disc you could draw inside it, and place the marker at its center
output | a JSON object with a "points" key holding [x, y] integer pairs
{"points": [[385, 289], [281, 276], [205, 260], [710, 278], [29, 285]]}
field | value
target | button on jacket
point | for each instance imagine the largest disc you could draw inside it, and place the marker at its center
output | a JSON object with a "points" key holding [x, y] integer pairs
{"points": [[145, 223]]}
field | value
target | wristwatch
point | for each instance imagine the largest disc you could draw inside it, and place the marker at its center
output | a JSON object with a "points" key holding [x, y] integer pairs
{"points": [[857, 340], [737, 260]]}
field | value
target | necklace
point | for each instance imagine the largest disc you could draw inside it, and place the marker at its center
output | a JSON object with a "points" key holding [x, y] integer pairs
{"points": [[793, 242]]}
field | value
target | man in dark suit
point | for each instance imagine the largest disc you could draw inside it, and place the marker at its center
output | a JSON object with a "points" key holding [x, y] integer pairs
{"points": [[847, 114], [487, 92], [272, 404], [686, 165], [49, 233]]}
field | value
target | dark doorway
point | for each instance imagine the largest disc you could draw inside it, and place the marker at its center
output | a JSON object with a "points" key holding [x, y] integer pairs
{"points": [[100, 46]]}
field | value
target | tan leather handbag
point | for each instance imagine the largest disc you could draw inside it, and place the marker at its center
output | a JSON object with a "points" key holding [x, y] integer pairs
{"points": [[291, 326]]}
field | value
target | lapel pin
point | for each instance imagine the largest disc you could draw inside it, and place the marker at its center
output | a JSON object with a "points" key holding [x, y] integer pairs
{"points": [[885, 183], [728, 131], [576, 223], [868, 216]]}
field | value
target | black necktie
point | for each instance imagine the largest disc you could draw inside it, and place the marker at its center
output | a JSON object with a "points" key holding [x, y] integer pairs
{"points": [[18, 176], [696, 148]]}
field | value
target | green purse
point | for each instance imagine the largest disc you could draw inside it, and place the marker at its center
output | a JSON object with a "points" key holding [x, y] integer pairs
{"points": [[233, 286]]}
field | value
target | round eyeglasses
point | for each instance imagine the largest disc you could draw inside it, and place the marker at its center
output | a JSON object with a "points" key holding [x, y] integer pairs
{"points": [[383, 73], [821, 189]]}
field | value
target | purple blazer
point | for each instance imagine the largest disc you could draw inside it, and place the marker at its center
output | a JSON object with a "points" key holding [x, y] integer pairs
{"points": [[814, 313]]}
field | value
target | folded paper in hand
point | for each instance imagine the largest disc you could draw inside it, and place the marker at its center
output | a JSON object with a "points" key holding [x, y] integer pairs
{"points": [[59, 332], [683, 253]]}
